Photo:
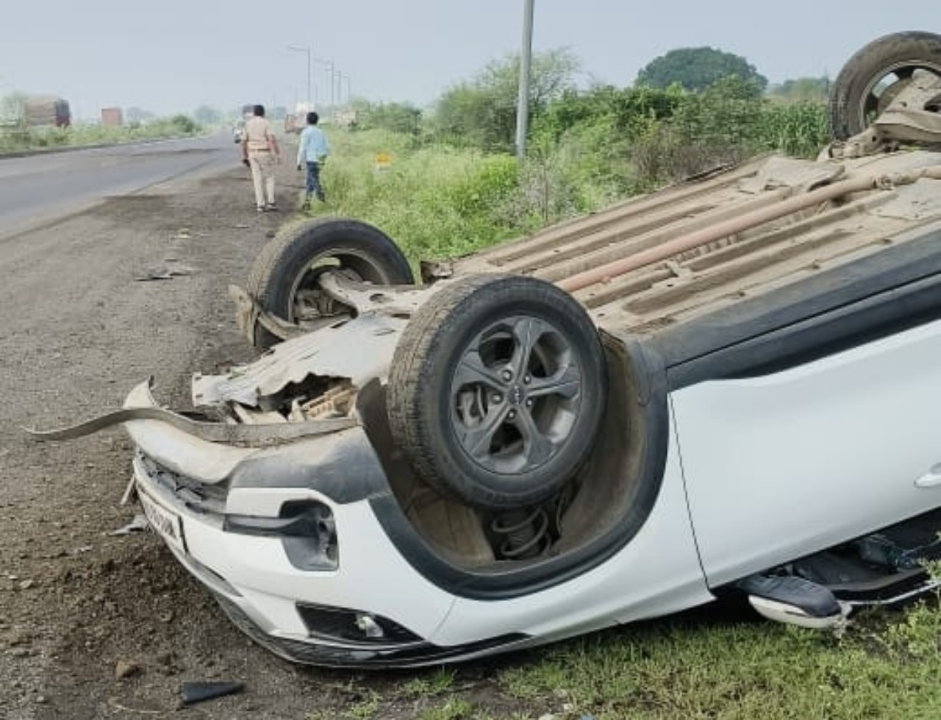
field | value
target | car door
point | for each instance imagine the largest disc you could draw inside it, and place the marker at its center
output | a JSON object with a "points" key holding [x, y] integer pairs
{"points": [[786, 463]]}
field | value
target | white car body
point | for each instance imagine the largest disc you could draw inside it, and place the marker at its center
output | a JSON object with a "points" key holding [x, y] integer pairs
{"points": [[801, 416], [858, 428], [730, 386]]}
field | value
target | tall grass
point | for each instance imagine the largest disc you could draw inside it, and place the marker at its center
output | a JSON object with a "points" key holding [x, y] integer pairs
{"points": [[800, 129], [434, 201]]}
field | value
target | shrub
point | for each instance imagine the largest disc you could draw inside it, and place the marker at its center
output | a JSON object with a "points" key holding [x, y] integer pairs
{"points": [[184, 124]]}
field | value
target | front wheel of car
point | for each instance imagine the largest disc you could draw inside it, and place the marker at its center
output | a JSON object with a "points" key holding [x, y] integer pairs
{"points": [[496, 390], [284, 279]]}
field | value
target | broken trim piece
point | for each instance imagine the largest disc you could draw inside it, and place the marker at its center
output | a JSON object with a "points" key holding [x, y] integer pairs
{"points": [[251, 435]]}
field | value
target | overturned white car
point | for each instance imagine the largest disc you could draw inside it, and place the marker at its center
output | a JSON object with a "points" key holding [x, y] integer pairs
{"points": [[727, 386]]}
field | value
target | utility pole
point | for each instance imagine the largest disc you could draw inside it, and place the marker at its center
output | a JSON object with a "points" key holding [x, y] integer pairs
{"points": [[522, 104]]}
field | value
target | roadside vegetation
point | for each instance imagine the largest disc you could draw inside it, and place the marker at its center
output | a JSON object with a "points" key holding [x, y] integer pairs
{"points": [[17, 137], [447, 182]]}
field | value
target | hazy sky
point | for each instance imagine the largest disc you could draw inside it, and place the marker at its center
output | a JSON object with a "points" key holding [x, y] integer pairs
{"points": [[173, 55]]}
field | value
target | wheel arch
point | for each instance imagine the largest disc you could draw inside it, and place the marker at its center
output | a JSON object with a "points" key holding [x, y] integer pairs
{"points": [[619, 487]]}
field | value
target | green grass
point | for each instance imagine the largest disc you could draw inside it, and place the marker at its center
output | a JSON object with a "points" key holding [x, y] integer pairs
{"points": [[435, 202], [440, 681], [745, 671]]}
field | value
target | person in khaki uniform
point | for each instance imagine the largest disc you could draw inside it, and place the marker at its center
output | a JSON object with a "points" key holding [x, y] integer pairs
{"points": [[261, 153]]}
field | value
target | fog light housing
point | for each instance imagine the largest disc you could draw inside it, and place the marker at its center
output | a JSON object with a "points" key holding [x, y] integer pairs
{"points": [[353, 626]]}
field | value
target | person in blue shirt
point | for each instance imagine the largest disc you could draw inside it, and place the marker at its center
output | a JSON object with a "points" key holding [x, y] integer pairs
{"points": [[312, 152]]}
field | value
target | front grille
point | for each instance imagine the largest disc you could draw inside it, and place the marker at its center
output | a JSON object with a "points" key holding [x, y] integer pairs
{"points": [[192, 494]]}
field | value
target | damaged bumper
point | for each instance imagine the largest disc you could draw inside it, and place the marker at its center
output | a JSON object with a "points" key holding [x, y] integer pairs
{"points": [[288, 542]]}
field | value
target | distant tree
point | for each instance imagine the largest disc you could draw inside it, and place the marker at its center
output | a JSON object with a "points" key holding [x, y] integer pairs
{"points": [[698, 68], [397, 117], [184, 124], [625, 112], [803, 89], [482, 112], [207, 115]]}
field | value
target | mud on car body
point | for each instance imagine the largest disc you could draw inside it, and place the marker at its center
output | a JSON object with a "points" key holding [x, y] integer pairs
{"points": [[724, 387]]}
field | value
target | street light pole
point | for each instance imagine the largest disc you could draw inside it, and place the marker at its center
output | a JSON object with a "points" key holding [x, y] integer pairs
{"points": [[333, 72], [310, 62], [522, 105], [341, 76], [333, 94]]}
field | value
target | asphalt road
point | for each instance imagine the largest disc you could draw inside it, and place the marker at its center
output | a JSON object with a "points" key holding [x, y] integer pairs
{"points": [[40, 188], [78, 329]]}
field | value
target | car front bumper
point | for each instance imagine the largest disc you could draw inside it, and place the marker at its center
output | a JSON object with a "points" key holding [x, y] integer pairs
{"points": [[320, 584]]}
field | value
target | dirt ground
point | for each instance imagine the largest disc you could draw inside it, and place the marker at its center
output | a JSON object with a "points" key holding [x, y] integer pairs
{"points": [[97, 625]]}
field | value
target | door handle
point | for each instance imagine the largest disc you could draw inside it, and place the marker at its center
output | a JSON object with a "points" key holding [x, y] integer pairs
{"points": [[930, 479]]}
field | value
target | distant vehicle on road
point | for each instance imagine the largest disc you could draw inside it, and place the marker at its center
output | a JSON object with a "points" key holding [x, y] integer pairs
{"points": [[40, 110], [293, 123]]}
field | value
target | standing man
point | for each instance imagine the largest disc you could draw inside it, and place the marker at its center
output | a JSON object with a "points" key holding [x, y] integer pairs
{"points": [[312, 151], [261, 153]]}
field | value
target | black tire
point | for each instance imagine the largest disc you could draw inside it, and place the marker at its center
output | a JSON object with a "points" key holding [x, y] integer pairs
{"points": [[875, 74], [482, 421], [291, 261]]}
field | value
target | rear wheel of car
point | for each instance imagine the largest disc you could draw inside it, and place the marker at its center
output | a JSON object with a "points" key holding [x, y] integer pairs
{"points": [[875, 75], [284, 277], [497, 389]]}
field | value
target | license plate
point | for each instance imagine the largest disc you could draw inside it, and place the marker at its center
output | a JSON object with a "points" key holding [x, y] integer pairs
{"points": [[165, 522]]}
